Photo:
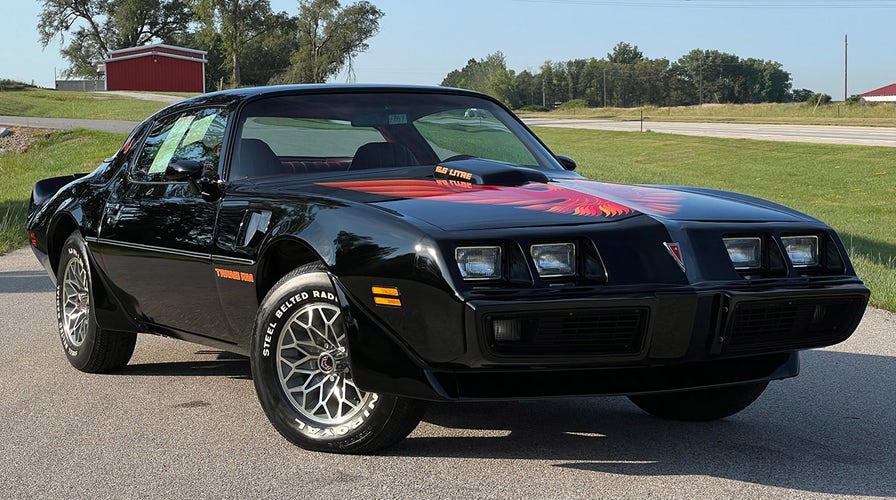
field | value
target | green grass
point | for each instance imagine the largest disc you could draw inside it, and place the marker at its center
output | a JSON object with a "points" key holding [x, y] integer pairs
{"points": [[62, 104], [852, 188], [869, 114], [60, 154]]}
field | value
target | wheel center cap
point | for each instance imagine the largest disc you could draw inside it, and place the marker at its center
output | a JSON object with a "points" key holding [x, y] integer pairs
{"points": [[326, 363]]}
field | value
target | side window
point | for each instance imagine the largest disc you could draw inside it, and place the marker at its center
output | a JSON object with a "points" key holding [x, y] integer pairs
{"points": [[194, 135]]}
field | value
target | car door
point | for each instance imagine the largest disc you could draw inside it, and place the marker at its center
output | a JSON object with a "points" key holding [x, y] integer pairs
{"points": [[156, 236]]}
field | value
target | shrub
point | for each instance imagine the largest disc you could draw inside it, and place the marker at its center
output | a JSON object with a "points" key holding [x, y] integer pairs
{"points": [[6, 85], [819, 98], [573, 104], [533, 108]]}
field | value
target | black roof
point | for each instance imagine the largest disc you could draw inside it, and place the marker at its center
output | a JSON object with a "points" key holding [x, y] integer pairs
{"points": [[232, 97]]}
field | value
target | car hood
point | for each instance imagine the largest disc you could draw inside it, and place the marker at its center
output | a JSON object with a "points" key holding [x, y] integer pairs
{"points": [[453, 205]]}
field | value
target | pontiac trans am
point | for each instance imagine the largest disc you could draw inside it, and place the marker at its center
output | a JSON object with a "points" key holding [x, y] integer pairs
{"points": [[371, 248]]}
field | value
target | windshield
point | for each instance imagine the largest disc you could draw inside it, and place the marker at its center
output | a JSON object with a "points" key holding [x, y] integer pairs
{"points": [[357, 131]]}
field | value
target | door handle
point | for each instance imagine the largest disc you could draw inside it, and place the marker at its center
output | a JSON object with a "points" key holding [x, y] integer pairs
{"points": [[113, 213]]}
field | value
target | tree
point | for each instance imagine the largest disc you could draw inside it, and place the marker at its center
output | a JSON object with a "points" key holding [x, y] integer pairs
{"points": [[95, 27], [819, 98], [489, 75], [624, 53], [239, 25], [802, 95], [329, 37], [626, 78]]}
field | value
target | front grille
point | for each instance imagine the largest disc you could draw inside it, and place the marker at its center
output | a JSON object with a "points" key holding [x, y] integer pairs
{"points": [[792, 323], [594, 331]]}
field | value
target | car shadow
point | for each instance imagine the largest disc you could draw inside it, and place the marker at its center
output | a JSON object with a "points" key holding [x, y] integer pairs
{"points": [[25, 282], [831, 430], [221, 364]]}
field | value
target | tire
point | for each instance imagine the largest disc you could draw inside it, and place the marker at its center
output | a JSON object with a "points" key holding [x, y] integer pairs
{"points": [[88, 347], [300, 367], [700, 405]]}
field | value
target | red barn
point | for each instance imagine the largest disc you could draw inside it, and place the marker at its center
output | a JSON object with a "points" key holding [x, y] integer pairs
{"points": [[156, 67], [883, 94]]}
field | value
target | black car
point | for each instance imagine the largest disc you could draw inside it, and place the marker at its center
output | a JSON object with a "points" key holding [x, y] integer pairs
{"points": [[373, 247]]}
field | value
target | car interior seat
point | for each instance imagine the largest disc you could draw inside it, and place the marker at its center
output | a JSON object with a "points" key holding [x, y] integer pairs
{"points": [[256, 159], [382, 155]]}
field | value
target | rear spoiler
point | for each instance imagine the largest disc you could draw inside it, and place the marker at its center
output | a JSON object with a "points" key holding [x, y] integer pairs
{"points": [[46, 188]]}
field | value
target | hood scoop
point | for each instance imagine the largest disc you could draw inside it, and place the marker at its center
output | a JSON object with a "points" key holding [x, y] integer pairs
{"points": [[476, 171]]}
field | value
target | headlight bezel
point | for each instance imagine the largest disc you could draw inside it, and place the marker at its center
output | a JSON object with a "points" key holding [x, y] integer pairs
{"points": [[756, 263], [498, 263], [816, 253], [537, 249]]}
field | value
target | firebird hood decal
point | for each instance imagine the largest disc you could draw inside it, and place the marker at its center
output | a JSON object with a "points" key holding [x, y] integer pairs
{"points": [[559, 202], [534, 196], [688, 204]]}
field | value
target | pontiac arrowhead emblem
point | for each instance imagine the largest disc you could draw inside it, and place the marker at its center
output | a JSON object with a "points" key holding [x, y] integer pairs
{"points": [[675, 252]]}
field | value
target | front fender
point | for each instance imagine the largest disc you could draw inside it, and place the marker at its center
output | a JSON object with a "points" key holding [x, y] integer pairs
{"points": [[379, 361]]}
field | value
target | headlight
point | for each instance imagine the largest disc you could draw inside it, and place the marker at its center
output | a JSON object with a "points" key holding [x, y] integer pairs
{"points": [[478, 263], [802, 250], [554, 259], [745, 253]]}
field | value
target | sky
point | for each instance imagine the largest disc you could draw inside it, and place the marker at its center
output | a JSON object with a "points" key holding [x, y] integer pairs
{"points": [[421, 41]]}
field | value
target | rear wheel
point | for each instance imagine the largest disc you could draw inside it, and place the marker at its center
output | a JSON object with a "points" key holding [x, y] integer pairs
{"points": [[88, 347], [300, 367], [702, 404]]}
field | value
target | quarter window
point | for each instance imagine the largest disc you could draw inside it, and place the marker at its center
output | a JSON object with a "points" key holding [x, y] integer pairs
{"points": [[194, 135]]}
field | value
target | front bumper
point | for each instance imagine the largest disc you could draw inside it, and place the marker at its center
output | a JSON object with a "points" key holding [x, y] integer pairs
{"points": [[631, 343]]}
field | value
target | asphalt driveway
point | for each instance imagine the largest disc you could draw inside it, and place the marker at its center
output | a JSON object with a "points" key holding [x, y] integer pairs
{"points": [[182, 421]]}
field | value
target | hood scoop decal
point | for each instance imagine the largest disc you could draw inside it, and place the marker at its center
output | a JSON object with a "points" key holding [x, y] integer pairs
{"points": [[479, 172]]}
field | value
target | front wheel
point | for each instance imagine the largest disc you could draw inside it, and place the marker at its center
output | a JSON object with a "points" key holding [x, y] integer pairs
{"points": [[700, 405], [301, 372], [87, 346]]}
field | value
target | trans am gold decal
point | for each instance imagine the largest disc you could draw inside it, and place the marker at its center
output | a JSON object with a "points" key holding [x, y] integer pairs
{"points": [[542, 197], [234, 275]]}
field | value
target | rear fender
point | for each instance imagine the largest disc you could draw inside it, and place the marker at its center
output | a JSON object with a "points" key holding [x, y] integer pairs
{"points": [[46, 188]]}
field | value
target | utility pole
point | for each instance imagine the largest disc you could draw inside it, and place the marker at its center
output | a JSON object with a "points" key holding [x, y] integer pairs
{"points": [[543, 101], [605, 87], [701, 79], [845, 67]]}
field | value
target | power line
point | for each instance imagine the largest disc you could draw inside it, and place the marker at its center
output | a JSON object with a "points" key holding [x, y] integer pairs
{"points": [[737, 4]]}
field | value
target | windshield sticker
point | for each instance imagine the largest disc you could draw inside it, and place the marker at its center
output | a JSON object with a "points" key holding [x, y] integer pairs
{"points": [[199, 129], [169, 146], [401, 119], [535, 196]]}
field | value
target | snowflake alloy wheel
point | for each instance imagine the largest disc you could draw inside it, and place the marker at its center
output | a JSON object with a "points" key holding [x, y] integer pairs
{"points": [[312, 362]]}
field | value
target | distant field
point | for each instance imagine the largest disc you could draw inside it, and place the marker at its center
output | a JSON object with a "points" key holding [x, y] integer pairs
{"points": [[879, 114], [63, 104], [852, 188]]}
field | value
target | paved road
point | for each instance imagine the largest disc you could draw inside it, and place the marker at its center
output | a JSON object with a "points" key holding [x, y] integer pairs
{"points": [[182, 422], [866, 136], [119, 126], [863, 136]]}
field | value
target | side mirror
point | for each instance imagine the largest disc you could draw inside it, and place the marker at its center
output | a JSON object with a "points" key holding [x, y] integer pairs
{"points": [[567, 162], [183, 170], [191, 172]]}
